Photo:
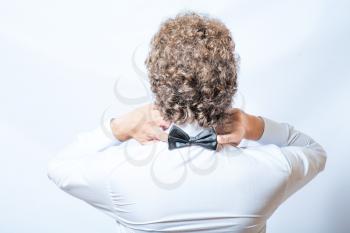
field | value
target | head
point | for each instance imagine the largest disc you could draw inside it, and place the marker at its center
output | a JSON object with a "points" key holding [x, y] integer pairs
{"points": [[192, 69]]}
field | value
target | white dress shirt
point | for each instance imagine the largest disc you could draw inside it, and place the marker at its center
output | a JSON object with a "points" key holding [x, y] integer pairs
{"points": [[147, 188]]}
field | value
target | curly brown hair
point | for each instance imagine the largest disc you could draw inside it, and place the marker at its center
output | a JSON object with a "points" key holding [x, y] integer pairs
{"points": [[192, 69]]}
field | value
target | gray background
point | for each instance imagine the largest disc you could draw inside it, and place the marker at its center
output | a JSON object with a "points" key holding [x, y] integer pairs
{"points": [[59, 61]]}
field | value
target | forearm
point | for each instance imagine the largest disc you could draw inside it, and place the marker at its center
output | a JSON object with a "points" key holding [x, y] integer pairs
{"points": [[267, 131], [305, 157], [284, 134]]}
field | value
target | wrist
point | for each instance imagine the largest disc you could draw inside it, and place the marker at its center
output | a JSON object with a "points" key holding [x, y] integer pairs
{"points": [[254, 127]]}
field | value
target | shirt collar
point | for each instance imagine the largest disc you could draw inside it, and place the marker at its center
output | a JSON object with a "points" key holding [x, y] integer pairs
{"points": [[192, 129]]}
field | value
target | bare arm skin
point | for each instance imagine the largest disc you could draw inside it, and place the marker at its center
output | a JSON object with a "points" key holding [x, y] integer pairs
{"points": [[145, 124]]}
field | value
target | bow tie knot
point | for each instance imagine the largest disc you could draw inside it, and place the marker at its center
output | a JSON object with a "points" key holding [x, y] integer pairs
{"points": [[192, 140], [179, 138]]}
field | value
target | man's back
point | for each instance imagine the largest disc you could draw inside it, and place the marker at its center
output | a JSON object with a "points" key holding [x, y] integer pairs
{"points": [[150, 188]]}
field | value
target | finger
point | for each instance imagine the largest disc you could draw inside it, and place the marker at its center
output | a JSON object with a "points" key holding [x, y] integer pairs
{"points": [[234, 144], [155, 114], [164, 124], [163, 136], [159, 134], [159, 121], [227, 139], [233, 110], [147, 142]]}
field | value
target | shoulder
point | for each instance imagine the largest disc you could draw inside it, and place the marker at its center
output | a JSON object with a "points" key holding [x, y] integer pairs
{"points": [[262, 155]]}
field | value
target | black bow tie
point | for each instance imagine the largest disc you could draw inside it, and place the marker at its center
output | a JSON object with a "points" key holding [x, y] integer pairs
{"points": [[179, 138]]}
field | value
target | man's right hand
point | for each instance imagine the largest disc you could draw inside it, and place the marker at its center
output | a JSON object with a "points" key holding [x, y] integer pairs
{"points": [[143, 124]]}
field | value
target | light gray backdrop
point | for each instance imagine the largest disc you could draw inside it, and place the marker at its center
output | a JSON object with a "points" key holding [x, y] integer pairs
{"points": [[59, 62]]}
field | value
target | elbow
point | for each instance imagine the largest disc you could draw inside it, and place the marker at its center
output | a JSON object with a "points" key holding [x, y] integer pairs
{"points": [[322, 154], [52, 171], [55, 173], [65, 174], [324, 161]]}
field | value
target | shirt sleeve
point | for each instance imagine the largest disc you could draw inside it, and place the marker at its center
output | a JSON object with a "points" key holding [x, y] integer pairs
{"points": [[306, 158], [82, 167]]}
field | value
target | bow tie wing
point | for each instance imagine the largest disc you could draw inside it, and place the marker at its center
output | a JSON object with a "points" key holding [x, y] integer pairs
{"points": [[206, 139], [178, 138]]}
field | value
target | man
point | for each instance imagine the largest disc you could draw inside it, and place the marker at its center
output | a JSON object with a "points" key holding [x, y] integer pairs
{"points": [[177, 165]]}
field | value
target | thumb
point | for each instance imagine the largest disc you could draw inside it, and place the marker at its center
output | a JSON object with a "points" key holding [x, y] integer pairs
{"points": [[228, 139], [163, 136]]}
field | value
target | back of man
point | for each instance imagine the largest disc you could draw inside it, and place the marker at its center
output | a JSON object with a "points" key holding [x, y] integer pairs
{"points": [[194, 189], [150, 188]]}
